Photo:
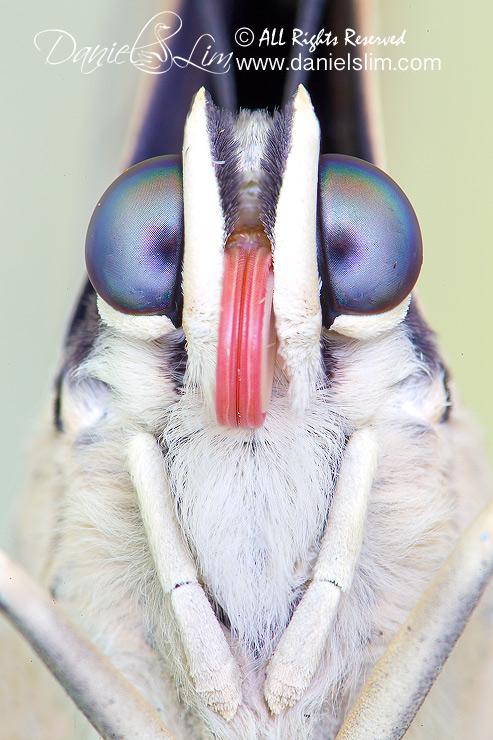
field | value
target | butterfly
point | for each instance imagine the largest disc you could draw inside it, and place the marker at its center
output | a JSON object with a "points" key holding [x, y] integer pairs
{"points": [[255, 466]]}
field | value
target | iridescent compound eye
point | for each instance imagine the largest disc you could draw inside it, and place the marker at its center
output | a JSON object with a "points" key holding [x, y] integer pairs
{"points": [[134, 242], [369, 241]]}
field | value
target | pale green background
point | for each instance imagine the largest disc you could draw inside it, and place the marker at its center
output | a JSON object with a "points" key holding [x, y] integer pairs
{"points": [[63, 133]]}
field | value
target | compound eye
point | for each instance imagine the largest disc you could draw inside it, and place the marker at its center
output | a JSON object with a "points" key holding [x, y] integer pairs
{"points": [[370, 249], [134, 242]]}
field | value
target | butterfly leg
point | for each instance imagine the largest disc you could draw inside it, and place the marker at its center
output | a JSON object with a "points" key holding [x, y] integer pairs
{"points": [[298, 653], [212, 667]]}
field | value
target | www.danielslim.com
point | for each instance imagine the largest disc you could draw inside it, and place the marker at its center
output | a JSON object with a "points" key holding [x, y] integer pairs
{"points": [[366, 62]]}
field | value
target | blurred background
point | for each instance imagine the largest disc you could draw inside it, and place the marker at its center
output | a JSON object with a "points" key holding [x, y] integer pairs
{"points": [[63, 136]]}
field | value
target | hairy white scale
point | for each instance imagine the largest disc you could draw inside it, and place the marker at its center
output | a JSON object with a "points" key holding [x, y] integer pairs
{"points": [[217, 519], [252, 130], [253, 504], [251, 133]]}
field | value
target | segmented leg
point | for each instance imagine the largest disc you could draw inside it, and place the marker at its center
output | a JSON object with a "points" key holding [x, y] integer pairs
{"points": [[213, 669], [296, 658]]}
